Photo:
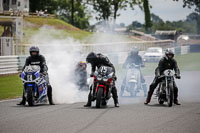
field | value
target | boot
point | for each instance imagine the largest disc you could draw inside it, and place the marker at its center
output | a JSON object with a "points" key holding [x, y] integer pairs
{"points": [[23, 102], [116, 102], [176, 102], [148, 98], [49, 94], [89, 103]]}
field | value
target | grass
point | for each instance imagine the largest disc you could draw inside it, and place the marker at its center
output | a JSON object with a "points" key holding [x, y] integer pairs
{"points": [[10, 87], [32, 26]]}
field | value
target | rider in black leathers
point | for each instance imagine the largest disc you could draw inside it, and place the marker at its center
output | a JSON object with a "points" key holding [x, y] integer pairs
{"points": [[167, 62], [36, 59], [135, 58], [98, 60]]}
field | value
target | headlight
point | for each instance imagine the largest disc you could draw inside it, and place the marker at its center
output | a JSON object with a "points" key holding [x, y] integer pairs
{"points": [[105, 78], [99, 77]]}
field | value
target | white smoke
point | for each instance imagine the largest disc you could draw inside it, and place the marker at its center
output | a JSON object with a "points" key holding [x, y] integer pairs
{"points": [[62, 56]]}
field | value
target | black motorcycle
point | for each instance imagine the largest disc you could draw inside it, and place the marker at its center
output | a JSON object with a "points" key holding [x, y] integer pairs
{"points": [[165, 92]]}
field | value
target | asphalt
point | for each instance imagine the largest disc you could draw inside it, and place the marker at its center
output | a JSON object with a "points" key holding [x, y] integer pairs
{"points": [[131, 117]]}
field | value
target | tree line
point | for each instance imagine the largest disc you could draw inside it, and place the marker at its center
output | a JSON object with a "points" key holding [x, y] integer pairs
{"points": [[78, 12]]}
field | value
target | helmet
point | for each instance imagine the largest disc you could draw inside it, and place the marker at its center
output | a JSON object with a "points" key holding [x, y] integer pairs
{"points": [[169, 52], [82, 64], [91, 57], [34, 49], [134, 51]]}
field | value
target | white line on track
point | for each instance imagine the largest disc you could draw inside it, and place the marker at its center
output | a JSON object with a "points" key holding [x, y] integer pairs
{"points": [[9, 100]]}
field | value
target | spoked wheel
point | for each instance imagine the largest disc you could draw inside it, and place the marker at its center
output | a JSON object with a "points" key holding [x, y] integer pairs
{"points": [[170, 95], [98, 99], [30, 95]]}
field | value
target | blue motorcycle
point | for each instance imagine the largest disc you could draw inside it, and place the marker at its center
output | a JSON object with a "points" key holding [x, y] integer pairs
{"points": [[35, 85]]}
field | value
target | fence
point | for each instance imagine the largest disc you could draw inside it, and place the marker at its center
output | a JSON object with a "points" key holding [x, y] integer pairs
{"points": [[14, 64], [9, 64]]}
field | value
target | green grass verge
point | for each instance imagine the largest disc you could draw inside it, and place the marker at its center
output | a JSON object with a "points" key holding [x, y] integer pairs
{"points": [[10, 87]]}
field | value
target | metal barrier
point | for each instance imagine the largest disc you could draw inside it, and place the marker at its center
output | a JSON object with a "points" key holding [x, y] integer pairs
{"points": [[14, 64], [9, 64]]}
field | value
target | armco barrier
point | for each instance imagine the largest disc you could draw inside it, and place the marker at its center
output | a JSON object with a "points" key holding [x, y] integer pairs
{"points": [[9, 64], [14, 64]]}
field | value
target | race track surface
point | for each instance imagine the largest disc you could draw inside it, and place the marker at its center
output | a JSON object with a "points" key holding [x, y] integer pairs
{"points": [[132, 116]]}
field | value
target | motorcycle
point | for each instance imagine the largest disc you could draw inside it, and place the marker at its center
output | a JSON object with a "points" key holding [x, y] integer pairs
{"points": [[132, 82], [35, 86], [165, 92], [102, 85]]}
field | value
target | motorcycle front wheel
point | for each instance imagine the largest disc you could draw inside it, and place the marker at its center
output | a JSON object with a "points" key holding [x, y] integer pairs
{"points": [[132, 89], [170, 95], [30, 94], [98, 99]]}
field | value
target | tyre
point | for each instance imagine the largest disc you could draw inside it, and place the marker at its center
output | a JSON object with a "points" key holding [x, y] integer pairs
{"points": [[170, 95], [104, 103], [30, 98], [98, 99], [49, 94], [160, 101], [132, 89]]}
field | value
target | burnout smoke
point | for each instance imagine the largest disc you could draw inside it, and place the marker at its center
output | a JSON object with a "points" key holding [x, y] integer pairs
{"points": [[62, 56]]}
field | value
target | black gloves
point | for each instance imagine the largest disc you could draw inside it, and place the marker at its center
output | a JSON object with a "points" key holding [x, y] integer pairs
{"points": [[177, 76], [91, 75], [44, 73]]}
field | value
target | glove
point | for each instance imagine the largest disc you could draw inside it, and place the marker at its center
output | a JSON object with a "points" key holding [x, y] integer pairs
{"points": [[44, 73], [177, 76], [115, 78], [157, 76], [91, 75]]}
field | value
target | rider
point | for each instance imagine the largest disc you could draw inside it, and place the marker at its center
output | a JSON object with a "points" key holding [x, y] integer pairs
{"points": [[167, 62], [98, 60], [135, 58], [81, 74], [36, 59]]}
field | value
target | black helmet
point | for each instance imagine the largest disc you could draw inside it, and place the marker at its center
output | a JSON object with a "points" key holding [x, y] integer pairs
{"points": [[91, 57], [169, 52], [134, 51], [34, 49]]}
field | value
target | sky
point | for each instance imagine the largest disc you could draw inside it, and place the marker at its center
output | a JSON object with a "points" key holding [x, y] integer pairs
{"points": [[165, 9]]}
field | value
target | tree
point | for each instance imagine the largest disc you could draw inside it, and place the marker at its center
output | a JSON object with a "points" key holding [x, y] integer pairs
{"points": [[156, 19], [148, 23], [49, 5], [191, 3], [194, 18], [73, 12]]}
